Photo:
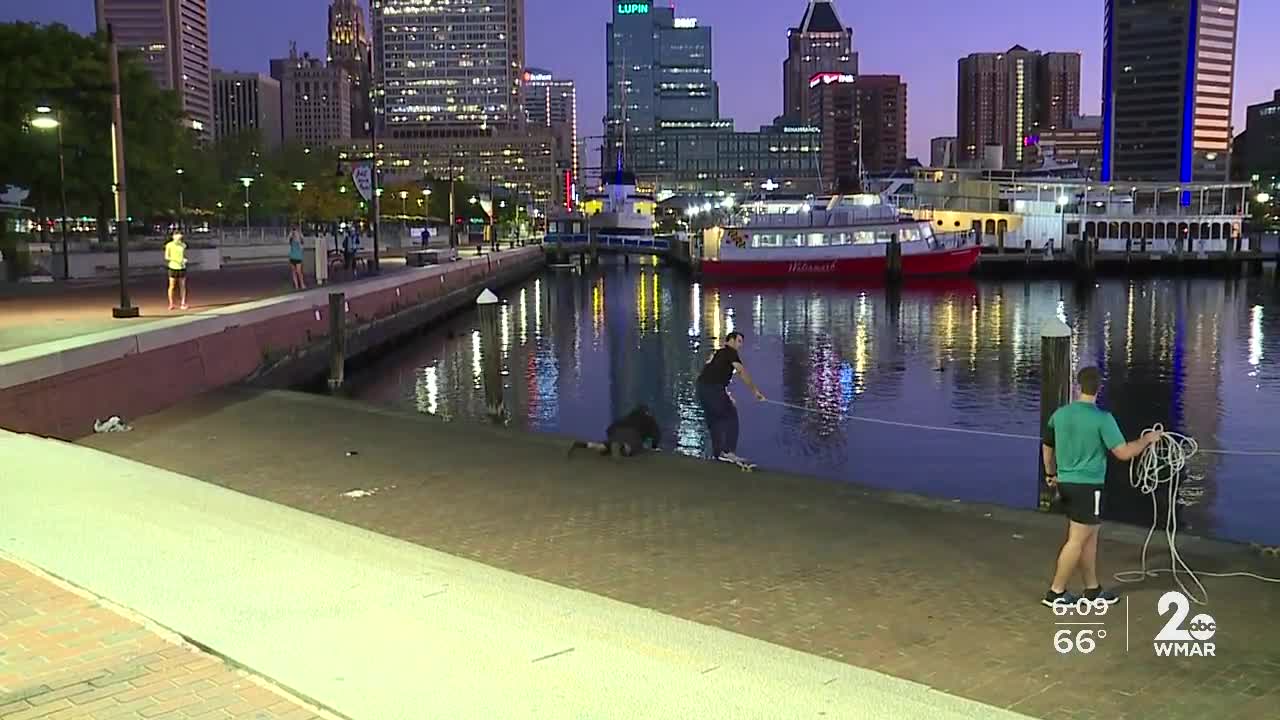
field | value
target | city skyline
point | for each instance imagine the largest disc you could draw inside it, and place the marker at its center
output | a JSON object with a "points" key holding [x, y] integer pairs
{"points": [[751, 45]]}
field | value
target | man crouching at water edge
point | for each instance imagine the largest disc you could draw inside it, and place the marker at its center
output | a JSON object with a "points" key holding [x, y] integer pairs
{"points": [[717, 403], [1075, 446], [629, 435]]}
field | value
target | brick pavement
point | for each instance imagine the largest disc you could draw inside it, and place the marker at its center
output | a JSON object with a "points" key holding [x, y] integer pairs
{"points": [[67, 656], [941, 594]]}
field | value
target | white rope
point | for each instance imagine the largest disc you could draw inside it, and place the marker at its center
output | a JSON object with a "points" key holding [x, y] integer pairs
{"points": [[1164, 462], [987, 433]]}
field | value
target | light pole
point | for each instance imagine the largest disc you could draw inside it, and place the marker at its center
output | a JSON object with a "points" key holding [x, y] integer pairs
{"points": [[120, 186], [1062, 210], [404, 210], [220, 218], [246, 181], [46, 119], [299, 185]]}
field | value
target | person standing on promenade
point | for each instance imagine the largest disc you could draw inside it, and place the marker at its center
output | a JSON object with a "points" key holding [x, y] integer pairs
{"points": [[175, 259], [717, 404], [1075, 446], [295, 259]]}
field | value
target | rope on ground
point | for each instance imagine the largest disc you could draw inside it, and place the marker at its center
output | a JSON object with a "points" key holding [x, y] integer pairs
{"points": [[987, 433], [1164, 462]]}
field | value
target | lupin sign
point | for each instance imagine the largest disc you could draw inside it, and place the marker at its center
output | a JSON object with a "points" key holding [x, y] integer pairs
{"points": [[633, 8]]}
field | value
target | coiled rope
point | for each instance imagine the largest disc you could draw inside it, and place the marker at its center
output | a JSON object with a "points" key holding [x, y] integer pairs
{"points": [[1164, 462]]}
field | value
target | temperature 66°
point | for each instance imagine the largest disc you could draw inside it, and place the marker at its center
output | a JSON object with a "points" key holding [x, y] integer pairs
{"points": [[1064, 641]]}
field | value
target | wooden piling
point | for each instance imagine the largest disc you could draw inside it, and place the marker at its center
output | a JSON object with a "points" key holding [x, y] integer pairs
{"points": [[487, 307], [894, 265], [1055, 390], [337, 340]]}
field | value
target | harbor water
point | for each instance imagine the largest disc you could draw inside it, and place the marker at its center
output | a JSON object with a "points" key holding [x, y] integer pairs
{"points": [[581, 347]]}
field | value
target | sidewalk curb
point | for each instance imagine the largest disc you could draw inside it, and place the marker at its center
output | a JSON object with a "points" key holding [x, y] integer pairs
{"points": [[179, 640]]}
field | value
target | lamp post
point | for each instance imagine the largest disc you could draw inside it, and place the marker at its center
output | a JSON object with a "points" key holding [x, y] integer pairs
{"points": [[404, 210], [246, 181], [1062, 210], [220, 218], [47, 119], [181, 205], [299, 185], [126, 308]]}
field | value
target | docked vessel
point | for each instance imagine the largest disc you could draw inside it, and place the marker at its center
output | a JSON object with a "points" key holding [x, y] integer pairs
{"points": [[848, 238]]}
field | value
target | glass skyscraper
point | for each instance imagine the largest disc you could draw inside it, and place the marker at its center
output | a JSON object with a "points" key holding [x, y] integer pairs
{"points": [[1168, 69]]}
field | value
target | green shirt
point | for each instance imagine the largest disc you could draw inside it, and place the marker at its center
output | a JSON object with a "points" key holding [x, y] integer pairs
{"points": [[1082, 435]]}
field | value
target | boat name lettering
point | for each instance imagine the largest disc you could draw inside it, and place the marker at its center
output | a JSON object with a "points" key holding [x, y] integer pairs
{"points": [[812, 267]]}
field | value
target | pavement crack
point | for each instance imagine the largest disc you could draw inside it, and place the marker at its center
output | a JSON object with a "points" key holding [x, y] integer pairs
{"points": [[554, 654], [830, 681], [438, 592], [711, 669]]}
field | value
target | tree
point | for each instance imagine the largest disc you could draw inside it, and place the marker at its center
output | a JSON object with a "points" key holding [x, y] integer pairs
{"points": [[53, 66]]}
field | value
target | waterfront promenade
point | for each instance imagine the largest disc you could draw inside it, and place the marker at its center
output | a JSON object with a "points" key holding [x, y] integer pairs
{"points": [[98, 367], [938, 594], [375, 628]]}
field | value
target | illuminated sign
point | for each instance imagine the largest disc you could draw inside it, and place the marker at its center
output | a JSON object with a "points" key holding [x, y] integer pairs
{"points": [[798, 129], [685, 23], [568, 189], [827, 78], [541, 77], [633, 8]]}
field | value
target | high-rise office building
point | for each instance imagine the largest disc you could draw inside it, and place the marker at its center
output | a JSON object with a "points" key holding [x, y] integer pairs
{"points": [[1168, 69], [448, 67], [942, 151], [882, 113], [247, 102], [553, 103], [1006, 98], [172, 36], [1261, 146], [315, 99], [832, 108], [349, 48], [661, 65], [819, 44]]}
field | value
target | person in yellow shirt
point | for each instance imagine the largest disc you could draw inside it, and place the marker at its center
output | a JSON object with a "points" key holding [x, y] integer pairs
{"points": [[175, 258]]}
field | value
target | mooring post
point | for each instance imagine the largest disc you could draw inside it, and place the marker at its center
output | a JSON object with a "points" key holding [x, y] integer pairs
{"points": [[337, 339], [1055, 390], [895, 258], [491, 354]]}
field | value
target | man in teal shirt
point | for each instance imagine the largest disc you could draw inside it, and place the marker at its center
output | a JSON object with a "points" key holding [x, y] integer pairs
{"points": [[1076, 443]]}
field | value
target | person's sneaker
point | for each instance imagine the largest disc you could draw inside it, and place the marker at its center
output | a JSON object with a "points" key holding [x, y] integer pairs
{"points": [[1098, 593], [1052, 598], [726, 457]]}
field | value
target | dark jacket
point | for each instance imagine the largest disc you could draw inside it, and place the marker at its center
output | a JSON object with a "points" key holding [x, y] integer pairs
{"points": [[638, 428]]}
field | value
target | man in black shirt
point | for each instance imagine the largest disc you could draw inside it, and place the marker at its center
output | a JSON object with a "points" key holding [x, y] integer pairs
{"points": [[717, 404]]}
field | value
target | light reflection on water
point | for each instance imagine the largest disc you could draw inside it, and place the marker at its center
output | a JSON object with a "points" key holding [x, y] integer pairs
{"points": [[578, 350]]}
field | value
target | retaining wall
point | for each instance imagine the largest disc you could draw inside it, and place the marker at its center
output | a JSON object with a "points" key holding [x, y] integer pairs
{"points": [[60, 388]]}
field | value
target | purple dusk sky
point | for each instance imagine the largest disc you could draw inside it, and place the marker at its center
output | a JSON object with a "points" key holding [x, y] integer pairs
{"points": [[917, 39]]}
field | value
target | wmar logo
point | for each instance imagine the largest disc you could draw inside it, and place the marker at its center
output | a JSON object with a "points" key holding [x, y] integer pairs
{"points": [[1175, 641]]}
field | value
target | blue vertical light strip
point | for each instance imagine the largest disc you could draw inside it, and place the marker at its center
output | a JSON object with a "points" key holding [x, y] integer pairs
{"points": [[1108, 90], [1186, 153]]}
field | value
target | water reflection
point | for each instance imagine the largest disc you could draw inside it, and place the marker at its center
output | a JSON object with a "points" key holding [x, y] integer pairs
{"points": [[1186, 353]]}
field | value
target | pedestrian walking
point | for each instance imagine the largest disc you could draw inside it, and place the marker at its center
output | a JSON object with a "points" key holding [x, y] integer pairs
{"points": [[295, 259], [1076, 442], [175, 259], [717, 404]]}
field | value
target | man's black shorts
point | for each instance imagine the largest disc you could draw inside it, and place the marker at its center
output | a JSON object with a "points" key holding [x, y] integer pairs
{"points": [[175, 274], [1082, 503]]}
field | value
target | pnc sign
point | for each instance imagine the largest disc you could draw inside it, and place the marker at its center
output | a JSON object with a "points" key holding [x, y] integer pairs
{"points": [[633, 8], [826, 78]]}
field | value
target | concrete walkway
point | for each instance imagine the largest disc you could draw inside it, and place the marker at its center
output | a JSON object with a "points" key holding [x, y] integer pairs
{"points": [[939, 593], [379, 629]]}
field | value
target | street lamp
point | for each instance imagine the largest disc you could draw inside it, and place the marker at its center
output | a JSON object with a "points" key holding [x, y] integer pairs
{"points": [[1263, 198], [181, 204], [246, 181], [299, 185], [46, 119], [1062, 210]]}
